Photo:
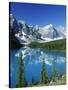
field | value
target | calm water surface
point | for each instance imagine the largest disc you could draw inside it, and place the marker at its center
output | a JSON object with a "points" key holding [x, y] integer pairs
{"points": [[33, 60]]}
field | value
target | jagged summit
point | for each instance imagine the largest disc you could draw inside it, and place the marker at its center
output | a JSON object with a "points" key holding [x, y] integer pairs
{"points": [[22, 22], [25, 33], [48, 26]]}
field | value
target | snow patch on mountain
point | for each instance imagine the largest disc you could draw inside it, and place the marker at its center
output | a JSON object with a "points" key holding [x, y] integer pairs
{"points": [[26, 33]]}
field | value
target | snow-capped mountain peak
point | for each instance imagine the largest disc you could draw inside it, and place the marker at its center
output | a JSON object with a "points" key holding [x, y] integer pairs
{"points": [[48, 26], [22, 22], [48, 31], [26, 33], [36, 27]]}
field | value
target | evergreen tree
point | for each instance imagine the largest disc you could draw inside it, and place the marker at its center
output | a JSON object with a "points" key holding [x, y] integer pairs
{"points": [[60, 74], [53, 71], [44, 77], [21, 75]]}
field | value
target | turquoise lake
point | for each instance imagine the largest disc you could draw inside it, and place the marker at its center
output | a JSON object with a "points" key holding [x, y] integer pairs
{"points": [[33, 61]]}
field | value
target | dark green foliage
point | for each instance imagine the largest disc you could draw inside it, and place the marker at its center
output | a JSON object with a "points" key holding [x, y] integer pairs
{"points": [[44, 76], [60, 74], [53, 71], [21, 74], [15, 44], [53, 45]]}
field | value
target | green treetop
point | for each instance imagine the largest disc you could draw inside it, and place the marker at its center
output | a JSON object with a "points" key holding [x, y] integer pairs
{"points": [[21, 75], [44, 77]]}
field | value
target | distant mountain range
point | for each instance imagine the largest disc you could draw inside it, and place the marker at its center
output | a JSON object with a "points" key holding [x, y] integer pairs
{"points": [[22, 33]]}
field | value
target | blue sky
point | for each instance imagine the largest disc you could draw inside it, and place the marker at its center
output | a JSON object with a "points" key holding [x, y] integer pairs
{"points": [[40, 14]]}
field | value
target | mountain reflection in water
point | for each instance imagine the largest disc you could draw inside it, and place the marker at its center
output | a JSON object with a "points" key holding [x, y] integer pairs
{"points": [[33, 59]]}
